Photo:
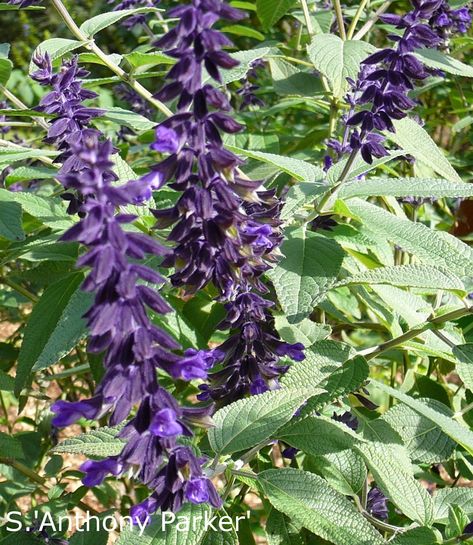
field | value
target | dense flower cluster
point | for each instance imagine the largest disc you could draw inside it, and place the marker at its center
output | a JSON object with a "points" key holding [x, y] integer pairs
{"points": [[447, 21], [119, 323], [387, 77], [225, 226]]}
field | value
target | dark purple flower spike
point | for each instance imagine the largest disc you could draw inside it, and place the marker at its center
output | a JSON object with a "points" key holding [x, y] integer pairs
{"points": [[225, 227], [133, 348]]}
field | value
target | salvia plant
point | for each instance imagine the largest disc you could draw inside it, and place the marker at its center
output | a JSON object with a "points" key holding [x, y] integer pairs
{"points": [[236, 272]]}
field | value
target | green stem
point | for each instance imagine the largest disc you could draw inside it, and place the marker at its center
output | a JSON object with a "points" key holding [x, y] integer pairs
{"points": [[356, 18], [371, 21], [92, 46], [22, 106], [20, 289], [5, 410], [308, 20], [17, 124], [334, 189], [339, 13], [415, 332]]}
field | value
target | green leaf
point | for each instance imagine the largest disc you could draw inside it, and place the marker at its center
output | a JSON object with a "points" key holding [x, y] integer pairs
{"points": [[140, 58], [101, 442], [247, 422], [433, 58], [415, 536], [413, 276], [50, 211], [328, 365], [281, 531], [305, 433], [270, 11], [21, 174], [245, 59], [338, 59], [405, 187], [4, 50], [436, 247], [130, 119], [309, 268], [345, 471], [188, 529], [11, 446], [12, 154], [241, 30], [54, 327], [416, 141], [309, 501], [464, 367], [7, 383], [56, 48], [456, 431], [397, 481], [424, 440], [104, 20], [5, 70], [10, 221], [298, 169], [457, 520], [305, 332], [445, 497], [299, 195], [289, 80], [359, 168]]}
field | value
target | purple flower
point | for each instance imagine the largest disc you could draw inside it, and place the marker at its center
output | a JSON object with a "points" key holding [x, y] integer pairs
{"points": [[294, 351], [347, 418], [67, 413], [165, 424], [377, 503], [125, 292], [24, 3], [381, 93], [224, 228], [96, 471], [167, 140]]}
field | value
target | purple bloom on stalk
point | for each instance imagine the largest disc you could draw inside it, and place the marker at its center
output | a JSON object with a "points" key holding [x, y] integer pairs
{"points": [[381, 93], [224, 227], [124, 289]]}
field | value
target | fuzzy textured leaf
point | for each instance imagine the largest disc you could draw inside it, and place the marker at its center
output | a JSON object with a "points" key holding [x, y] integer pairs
{"points": [[308, 500], [247, 422]]}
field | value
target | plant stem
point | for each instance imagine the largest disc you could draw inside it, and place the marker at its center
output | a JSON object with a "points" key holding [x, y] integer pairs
{"points": [[340, 22], [20, 289], [343, 176], [371, 21], [430, 324], [5, 410], [92, 46], [22, 106], [17, 124], [308, 20], [356, 18]]}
